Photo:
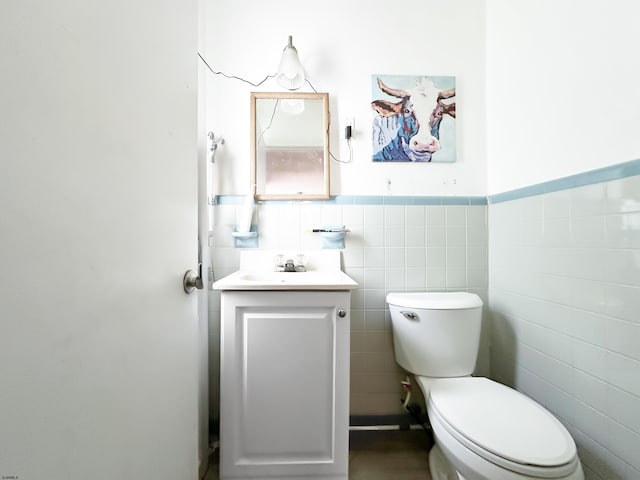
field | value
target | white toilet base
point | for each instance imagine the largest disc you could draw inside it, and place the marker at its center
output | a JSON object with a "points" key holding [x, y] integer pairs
{"points": [[440, 467]]}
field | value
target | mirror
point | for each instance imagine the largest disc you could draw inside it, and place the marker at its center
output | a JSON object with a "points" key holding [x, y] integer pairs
{"points": [[290, 145]]}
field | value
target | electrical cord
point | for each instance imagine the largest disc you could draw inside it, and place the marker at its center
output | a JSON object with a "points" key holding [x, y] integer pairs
{"points": [[234, 77], [350, 153]]}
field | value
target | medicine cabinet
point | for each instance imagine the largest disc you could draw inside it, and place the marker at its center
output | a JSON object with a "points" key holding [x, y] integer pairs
{"points": [[290, 145]]}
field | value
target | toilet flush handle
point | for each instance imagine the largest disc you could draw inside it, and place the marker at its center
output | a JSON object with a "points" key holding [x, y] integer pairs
{"points": [[410, 315]]}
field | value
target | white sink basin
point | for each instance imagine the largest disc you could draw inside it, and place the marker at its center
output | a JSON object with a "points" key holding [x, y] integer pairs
{"points": [[285, 281], [257, 274]]}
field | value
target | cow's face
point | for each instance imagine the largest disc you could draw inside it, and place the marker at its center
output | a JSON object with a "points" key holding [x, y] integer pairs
{"points": [[426, 141], [419, 114]]}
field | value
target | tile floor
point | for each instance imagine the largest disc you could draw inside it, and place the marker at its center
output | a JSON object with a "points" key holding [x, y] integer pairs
{"points": [[379, 455]]}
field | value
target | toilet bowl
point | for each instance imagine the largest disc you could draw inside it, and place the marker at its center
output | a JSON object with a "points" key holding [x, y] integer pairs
{"points": [[488, 430], [483, 430]]}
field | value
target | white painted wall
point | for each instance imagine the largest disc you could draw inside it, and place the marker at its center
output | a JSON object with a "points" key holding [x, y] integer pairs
{"points": [[562, 88], [342, 44]]}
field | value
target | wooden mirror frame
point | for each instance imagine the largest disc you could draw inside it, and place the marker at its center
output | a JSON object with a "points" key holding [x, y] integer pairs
{"points": [[259, 183]]}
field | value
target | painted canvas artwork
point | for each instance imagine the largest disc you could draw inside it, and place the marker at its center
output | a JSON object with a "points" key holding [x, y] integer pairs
{"points": [[414, 118]]}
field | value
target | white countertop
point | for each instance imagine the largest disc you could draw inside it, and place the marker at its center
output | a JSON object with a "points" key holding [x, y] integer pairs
{"points": [[257, 272]]}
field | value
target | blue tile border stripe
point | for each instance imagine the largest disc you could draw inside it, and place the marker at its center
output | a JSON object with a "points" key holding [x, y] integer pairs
{"points": [[600, 175], [365, 200], [605, 174]]}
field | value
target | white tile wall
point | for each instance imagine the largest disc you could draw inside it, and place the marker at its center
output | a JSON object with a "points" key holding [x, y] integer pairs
{"points": [[564, 287], [563, 271], [389, 248]]}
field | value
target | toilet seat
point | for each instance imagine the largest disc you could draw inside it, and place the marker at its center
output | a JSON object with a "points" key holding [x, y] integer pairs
{"points": [[502, 426]]}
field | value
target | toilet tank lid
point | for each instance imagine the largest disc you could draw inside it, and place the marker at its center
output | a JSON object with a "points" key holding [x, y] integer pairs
{"points": [[434, 300]]}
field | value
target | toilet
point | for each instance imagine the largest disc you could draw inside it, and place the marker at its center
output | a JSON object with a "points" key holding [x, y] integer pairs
{"points": [[483, 430]]}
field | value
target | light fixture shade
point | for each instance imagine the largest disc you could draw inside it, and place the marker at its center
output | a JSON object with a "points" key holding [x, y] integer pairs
{"points": [[290, 71]]}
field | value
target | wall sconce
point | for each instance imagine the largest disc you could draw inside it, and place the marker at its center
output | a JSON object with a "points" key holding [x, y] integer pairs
{"points": [[290, 72]]}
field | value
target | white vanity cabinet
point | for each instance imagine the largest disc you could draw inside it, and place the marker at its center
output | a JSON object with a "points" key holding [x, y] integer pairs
{"points": [[284, 384]]}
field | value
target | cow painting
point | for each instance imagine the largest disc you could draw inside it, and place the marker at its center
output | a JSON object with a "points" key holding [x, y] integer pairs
{"points": [[407, 126]]}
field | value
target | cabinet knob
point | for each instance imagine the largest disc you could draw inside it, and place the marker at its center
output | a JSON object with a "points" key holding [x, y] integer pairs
{"points": [[342, 313]]}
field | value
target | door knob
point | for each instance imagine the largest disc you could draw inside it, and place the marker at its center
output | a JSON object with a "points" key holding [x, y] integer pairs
{"points": [[192, 280]]}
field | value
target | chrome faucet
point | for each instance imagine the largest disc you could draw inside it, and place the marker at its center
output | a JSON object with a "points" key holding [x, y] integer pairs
{"points": [[289, 265]]}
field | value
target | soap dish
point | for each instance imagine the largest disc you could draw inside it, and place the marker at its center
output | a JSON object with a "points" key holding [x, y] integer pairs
{"points": [[333, 236], [246, 239]]}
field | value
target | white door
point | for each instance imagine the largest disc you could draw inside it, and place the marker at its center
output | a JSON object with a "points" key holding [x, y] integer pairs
{"points": [[98, 341]]}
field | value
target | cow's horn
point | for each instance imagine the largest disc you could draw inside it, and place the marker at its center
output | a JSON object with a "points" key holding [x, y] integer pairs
{"points": [[392, 91]]}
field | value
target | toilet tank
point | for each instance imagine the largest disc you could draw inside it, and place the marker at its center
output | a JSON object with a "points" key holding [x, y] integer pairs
{"points": [[436, 334]]}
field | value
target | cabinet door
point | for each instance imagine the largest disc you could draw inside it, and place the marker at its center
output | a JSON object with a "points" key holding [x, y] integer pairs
{"points": [[284, 384]]}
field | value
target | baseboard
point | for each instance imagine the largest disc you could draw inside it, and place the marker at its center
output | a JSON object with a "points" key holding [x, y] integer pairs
{"points": [[399, 421]]}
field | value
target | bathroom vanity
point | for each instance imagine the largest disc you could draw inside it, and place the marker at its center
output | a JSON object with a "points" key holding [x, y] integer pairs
{"points": [[284, 407]]}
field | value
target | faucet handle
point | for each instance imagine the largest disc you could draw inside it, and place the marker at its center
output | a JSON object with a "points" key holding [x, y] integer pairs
{"points": [[278, 263], [300, 263]]}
